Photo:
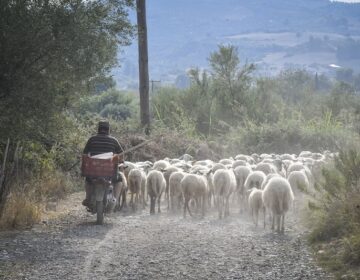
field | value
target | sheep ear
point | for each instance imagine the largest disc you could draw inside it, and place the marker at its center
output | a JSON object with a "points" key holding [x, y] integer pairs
{"points": [[249, 191]]}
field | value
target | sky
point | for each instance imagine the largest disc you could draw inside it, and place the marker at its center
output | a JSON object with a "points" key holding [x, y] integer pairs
{"points": [[346, 1]]}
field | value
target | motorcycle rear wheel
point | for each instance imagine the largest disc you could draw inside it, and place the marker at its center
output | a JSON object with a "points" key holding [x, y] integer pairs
{"points": [[99, 212]]}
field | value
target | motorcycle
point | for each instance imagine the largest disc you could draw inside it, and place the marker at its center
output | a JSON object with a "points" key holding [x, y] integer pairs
{"points": [[99, 171], [102, 199]]}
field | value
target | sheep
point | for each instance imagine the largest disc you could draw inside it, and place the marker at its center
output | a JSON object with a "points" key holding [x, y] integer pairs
{"points": [[305, 154], [143, 189], [135, 182], [186, 157], [226, 161], [277, 196], [198, 169], [266, 167], [287, 157], [194, 186], [175, 189], [254, 180], [239, 163], [127, 167], [183, 165], [167, 172], [206, 162], [255, 204], [120, 188], [298, 182], [241, 173], [298, 166], [218, 166], [224, 185], [155, 185], [160, 165]]}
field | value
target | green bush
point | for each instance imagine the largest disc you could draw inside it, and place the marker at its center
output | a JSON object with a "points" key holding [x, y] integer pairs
{"points": [[335, 214]]}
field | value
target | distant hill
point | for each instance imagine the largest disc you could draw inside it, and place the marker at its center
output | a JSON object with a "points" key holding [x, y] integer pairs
{"points": [[275, 34]]}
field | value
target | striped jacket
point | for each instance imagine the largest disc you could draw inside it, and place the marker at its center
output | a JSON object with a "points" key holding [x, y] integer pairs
{"points": [[102, 143]]}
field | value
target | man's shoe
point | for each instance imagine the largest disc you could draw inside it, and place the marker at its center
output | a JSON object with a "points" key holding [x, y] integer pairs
{"points": [[86, 203]]}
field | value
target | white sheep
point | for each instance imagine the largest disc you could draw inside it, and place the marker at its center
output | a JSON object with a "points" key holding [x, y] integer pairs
{"points": [[298, 166], [161, 165], [136, 182], [186, 157], [218, 166], [120, 188], [224, 182], [175, 189], [241, 173], [226, 161], [127, 165], [266, 167], [155, 185], [254, 180], [256, 204], [277, 196], [299, 183], [167, 172], [194, 187], [239, 163]]}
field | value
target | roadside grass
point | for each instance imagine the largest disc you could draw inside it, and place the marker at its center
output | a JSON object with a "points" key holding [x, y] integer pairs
{"points": [[27, 201], [334, 217]]}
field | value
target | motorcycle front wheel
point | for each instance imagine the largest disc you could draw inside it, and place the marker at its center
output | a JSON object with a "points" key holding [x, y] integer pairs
{"points": [[99, 212]]}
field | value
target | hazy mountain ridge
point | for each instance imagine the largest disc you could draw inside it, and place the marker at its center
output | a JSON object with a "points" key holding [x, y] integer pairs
{"points": [[182, 33]]}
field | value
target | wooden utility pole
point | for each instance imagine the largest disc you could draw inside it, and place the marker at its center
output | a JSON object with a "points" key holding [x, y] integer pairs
{"points": [[143, 65]]}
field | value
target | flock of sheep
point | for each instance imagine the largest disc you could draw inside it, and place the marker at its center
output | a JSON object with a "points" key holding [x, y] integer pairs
{"points": [[268, 183]]}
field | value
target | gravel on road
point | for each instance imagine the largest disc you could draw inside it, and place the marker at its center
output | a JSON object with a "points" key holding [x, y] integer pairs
{"points": [[163, 246]]}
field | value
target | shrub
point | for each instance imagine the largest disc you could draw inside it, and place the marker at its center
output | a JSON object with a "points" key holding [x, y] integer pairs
{"points": [[335, 214]]}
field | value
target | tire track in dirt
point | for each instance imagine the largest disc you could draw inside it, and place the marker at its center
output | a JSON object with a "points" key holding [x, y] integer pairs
{"points": [[165, 246]]}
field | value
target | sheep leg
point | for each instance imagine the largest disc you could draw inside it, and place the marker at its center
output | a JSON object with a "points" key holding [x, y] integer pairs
{"points": [[264, 209], [203, 205], [256, 217], [172, 206], [185, 203], [152, 205], [136, 200], [273, 222], [220, 206], [240, 202], [283, 223], [168, 199], [167, 195], [227, 206], [278, 218], [159, 198], [132, 200], [188, 208], [144, 199]]}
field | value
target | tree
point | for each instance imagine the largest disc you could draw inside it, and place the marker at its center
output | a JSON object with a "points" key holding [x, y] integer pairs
{"points": [[231, 81], [143, 65], [52, 52]]}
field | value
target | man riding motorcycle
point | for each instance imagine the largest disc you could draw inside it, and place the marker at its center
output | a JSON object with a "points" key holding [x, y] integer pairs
{"points": [[101, 143]]}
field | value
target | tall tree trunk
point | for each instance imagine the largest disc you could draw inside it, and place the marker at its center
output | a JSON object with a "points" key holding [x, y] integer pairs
{"points": [[143, 65]]}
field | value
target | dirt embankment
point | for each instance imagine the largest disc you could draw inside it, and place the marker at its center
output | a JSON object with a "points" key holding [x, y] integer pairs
{"points": [[164, 246]]}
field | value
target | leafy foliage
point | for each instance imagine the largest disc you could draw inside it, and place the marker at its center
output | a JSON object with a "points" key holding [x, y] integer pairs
{"points": [[336, 211], [50, 53], [109, 104]]}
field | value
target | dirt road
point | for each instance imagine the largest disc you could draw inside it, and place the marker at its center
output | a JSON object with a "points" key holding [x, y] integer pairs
{"points": [[165, 246]]}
